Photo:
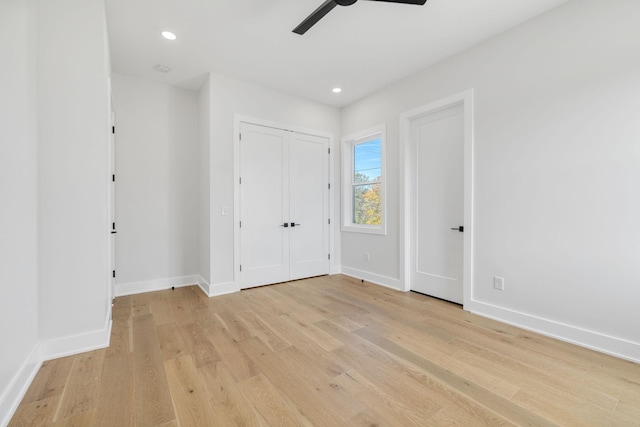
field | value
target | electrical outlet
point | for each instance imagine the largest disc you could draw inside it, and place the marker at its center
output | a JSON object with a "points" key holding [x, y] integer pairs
{"points": [[367, 256], [498, 283]]}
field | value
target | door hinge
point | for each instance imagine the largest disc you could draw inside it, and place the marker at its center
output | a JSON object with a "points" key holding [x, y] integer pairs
{"points": [[329, 186], [240, 224], [240, 136], [240, 180], [113, 274], [329, 256], [113, 129], [329, 221], [113, 178], [329, 150], [240, 267], [113, 225]]}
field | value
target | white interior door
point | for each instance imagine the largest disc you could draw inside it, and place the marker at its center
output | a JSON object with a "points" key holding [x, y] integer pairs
{"points": [[264, 205], [437, 201], [284, 205], [309, 202]]}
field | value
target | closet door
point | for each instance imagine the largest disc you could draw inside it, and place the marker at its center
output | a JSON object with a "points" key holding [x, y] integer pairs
{"points": [[284, 205], [309, 205], [264, 205]]}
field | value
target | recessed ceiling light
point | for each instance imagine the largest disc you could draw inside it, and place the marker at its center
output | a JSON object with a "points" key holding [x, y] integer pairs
{"points": [[168, 35], [336, 90], [162, 68]]}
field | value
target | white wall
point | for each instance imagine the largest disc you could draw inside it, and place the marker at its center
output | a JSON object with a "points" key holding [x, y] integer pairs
{"points": [[557, 126], [18, 195], [228, 97], [72, 72], [157, 163], [204, 195]]}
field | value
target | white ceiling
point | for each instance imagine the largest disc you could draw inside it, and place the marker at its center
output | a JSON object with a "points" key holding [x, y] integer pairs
{"points": [[360, 48]]}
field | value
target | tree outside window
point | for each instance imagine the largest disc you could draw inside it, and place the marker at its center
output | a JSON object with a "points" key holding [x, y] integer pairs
{"points": [[364, 192]]}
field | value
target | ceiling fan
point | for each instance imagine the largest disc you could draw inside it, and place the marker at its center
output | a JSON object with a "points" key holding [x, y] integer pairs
{"points": [[328, 5]]}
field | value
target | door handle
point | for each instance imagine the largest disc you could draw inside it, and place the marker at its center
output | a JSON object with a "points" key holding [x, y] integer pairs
{"points": [[285, 225], [293, 224], [460, 229]]}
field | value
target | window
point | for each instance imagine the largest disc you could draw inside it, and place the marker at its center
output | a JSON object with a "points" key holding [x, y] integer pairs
{"points": [[363, 182]]}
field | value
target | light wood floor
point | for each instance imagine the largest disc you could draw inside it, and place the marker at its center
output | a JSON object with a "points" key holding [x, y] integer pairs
{"points": [[327, 351]]}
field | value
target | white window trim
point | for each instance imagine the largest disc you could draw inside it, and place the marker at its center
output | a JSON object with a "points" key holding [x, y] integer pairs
{"points": [[347, 180]]}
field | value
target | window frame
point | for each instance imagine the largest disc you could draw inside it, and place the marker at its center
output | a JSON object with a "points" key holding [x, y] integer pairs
{"points": [[348, 147]]}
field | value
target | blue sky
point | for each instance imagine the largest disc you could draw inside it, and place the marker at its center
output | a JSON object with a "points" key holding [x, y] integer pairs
{"points": [[367, 158]]}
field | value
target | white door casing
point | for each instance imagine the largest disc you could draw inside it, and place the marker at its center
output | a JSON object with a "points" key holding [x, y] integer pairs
{"points": [[283, 206], [111, 191]]}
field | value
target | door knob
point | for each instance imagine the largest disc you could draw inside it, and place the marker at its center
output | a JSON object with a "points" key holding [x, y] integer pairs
{"points": [[293, 224], [460, 229], [285, 225]]}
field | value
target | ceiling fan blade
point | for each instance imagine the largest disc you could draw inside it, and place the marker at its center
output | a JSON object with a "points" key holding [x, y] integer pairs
{"points": [[418, 2], [317, 15]]}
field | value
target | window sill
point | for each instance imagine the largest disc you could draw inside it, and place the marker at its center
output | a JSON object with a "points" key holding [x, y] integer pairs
{"points": [[380, 230]]}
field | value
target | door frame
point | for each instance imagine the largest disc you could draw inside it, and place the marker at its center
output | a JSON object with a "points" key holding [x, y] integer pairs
{"points": [[466, 99], [237, 120]]}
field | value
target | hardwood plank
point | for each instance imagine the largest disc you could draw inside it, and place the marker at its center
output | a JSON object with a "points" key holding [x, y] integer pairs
{"points": [[262, 330], [81, 389], [190, 396], [203, 352], [182, 311], [82, 419], [385, 403], [238, 363], [120, 337], [50, 379], [36, 413], [272, 406], [115, 398], [140, 304], [461, 385], [324, 340], [321, 400], [172, 344], [233, 325], [152, 396], [162, 311], [226, 396]]}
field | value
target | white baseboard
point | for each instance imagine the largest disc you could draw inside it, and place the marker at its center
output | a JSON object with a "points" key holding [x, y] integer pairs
{"points": [[76, 344], [203, 285], [47, 350], [218, 289], [613, 346], [378, 279], [133, 288], [19, 385]]}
